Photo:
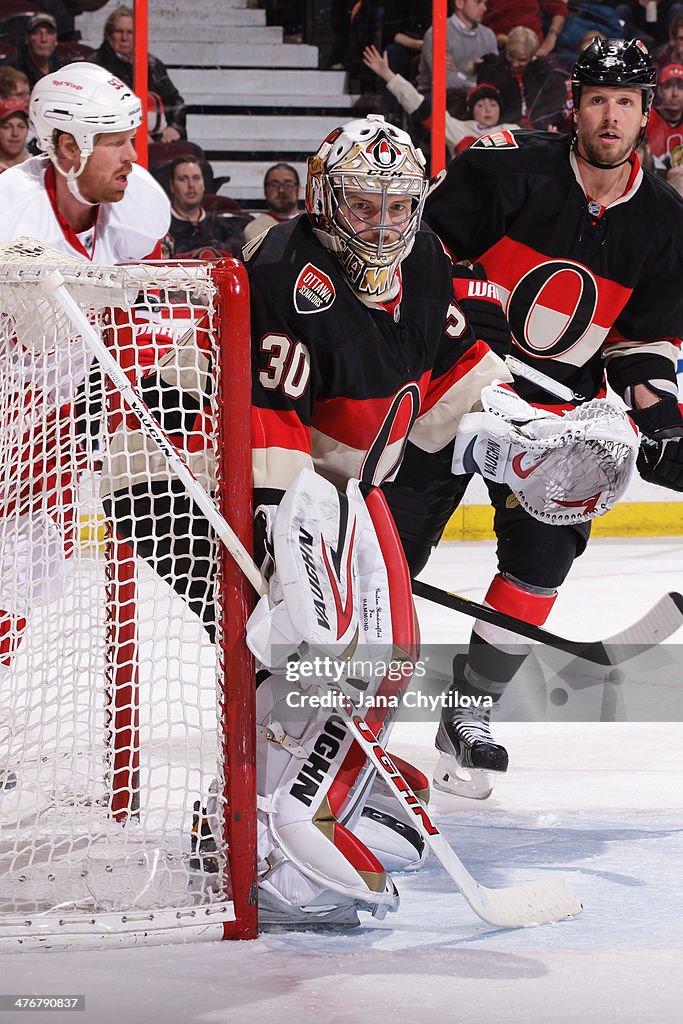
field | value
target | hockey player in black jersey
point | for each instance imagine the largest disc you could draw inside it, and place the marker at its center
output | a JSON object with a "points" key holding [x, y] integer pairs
{"points": [[359, 344], [586, 249]]}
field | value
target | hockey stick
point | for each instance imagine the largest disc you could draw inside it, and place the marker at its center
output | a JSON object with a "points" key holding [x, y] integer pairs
{"points": [[534, 903], [663, 619], [516, 906]]}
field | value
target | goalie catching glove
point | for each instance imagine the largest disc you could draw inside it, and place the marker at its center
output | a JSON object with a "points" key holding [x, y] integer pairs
{"points": [[562, 469]]}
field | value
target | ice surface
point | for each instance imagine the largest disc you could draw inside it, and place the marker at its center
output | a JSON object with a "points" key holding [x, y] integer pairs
{"points": [[601, 804]]}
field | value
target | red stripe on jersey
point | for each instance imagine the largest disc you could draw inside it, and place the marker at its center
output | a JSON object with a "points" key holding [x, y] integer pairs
{"points": [[279, 428], [357, 421], [509, 261], [439, 386]]}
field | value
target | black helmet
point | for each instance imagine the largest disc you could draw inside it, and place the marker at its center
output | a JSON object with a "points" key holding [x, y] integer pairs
{"points": [[615, 62]]}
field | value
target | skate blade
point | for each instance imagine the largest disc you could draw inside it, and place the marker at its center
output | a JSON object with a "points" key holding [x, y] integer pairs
{"points": [[276, 916], [472, 783]]}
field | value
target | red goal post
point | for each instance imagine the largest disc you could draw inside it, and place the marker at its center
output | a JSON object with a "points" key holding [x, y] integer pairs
{"points": [[127, 751]]}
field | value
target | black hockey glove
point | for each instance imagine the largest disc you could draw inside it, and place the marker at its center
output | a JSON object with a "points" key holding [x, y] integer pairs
{"points": [[661, 462], [659, 421], [480, 302], [661, 452]]}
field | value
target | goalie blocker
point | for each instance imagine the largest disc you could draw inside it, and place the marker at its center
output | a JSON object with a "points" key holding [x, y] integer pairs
{"points": [[338, 617]]}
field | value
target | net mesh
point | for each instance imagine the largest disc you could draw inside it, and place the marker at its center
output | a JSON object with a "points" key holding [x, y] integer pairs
{"points": [[110, 685]]}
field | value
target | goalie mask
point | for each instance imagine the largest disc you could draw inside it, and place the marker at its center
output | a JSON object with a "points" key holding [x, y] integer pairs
{"points": [[86, 101], [364, 195]]}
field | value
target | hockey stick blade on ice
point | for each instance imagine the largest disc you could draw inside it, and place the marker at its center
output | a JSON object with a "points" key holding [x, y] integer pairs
{"points": [[533, 903], [663, 619], [516, 906]]}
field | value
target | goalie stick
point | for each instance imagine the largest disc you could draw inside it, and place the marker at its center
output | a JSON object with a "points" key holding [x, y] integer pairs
{"points": [[663, 619], [533, 903]]}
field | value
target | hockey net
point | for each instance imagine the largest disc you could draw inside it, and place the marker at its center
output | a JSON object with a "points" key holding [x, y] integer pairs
{"points": [[127, 793]]}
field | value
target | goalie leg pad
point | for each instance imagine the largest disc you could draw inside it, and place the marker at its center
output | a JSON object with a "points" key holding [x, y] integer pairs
{"points": [[387, 829], [309, 860]]}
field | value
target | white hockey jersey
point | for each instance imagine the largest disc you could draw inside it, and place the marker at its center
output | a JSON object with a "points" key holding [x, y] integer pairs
{"points": [[124, 232]]}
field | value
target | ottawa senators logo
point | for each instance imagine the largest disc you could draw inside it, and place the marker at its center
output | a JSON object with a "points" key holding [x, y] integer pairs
{"points": [[313, 291], [383, 152]]}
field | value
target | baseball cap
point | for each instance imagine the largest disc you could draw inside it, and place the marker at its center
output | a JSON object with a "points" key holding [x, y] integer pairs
{"points": [[10, 107], [671, 71], [41, 18]]}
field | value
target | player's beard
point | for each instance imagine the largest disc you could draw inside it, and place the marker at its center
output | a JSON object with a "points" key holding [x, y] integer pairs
{"points": [[597, 152], [103, 186]]}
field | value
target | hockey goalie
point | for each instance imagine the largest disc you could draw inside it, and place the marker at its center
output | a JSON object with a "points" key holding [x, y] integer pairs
{"points": [[359, 342]]}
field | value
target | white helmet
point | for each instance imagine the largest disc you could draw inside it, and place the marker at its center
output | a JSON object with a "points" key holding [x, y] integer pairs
{"points": [[84, 100], [368, 156]]}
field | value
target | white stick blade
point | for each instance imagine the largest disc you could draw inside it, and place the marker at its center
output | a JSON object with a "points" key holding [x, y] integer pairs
{"points": [[522, 905]]}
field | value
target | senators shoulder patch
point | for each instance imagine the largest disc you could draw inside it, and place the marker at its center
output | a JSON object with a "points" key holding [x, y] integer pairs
{"points": [[313, 291], [496, 140]]}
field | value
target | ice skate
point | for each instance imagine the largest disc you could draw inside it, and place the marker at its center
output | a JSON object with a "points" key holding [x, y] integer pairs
{"points": [[469, 755]]}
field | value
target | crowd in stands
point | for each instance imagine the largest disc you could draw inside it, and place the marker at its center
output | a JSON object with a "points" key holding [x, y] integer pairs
{"points": [[507, 66]]}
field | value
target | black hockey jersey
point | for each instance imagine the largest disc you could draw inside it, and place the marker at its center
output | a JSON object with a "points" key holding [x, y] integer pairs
{"points": [[583, 287], [340, 384]]}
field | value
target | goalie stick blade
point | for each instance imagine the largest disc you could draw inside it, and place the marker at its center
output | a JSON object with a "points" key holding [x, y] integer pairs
{"points": [[516, 907], [659, 623], [521, 905]]}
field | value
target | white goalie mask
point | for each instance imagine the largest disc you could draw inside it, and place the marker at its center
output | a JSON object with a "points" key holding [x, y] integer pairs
{"points": [[86, 101], [370, 158]]}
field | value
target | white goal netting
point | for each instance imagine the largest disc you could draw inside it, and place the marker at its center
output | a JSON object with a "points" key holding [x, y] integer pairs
{"points": [[115, 630]]}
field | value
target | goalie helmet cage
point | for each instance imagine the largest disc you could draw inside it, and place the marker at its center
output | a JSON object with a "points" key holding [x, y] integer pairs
{"points": [[127, 759]]}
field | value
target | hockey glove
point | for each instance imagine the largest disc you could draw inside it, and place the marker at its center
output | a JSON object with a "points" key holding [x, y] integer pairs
{"points": [[661, 462], [480, 302], [659, 421], [562, 469]]}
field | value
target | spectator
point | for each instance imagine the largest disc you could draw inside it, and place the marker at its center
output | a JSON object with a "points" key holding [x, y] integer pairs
{"points": [[467, 41], [586, 21], [116, 55], [665, 130], [671, 52], [649, 20], [674, 176], [282, 187], [13, 134], [544, 17], [533, 92], [483, 105], [37, 55], [192, 227], [14, 86]]}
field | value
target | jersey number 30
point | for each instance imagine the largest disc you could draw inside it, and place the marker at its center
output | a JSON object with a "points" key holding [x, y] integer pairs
{"points": [[288, 368]]}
